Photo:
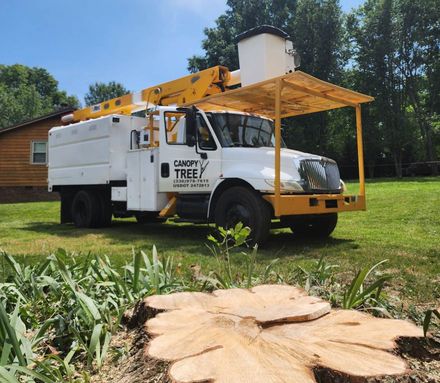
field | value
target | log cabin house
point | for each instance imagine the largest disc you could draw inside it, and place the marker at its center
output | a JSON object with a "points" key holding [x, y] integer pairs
{"points": [[23, 159]]}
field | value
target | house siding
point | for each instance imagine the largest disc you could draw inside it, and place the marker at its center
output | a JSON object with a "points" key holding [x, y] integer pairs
{"points": [[16, 168]]}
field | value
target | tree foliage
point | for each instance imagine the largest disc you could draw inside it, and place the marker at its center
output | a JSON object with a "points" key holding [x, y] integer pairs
{"points": [[26, 93], [389, 49], [220, 43], [100, 92]]}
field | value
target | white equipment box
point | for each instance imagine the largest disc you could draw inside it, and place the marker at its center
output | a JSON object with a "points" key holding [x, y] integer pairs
{"points": [[274, 55], [92, 152], [143, 181]]}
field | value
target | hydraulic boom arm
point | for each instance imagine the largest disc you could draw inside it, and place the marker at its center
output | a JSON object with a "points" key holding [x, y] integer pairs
{"points": [[181, 91]]}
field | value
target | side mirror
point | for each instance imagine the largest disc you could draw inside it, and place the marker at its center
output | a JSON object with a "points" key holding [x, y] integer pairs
{"points": [[191, 126]]}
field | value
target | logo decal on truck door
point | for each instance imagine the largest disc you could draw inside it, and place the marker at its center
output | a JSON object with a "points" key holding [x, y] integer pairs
{"points": [[189, 173], [203, 165]]}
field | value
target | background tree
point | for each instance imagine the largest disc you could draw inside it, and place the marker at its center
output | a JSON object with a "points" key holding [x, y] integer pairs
{"points": [[417, 30], [100, 91], [220, 44], [315, 27], [317, 34], [389, 49], [26, 93], [373, 50]]}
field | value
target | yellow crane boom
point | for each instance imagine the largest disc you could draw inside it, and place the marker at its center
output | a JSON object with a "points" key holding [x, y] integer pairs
{"points": [[181, 91]]}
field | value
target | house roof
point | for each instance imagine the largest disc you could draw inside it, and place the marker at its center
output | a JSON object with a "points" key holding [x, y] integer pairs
{"points": [[56, 113]]}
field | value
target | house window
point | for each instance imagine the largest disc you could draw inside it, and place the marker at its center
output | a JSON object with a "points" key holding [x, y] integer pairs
{"points": [[39, 152]]}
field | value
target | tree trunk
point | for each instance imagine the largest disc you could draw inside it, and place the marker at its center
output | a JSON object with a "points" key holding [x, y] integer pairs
{"points": [[398, 164], [425, 128], [271, 333], [371, 167]]}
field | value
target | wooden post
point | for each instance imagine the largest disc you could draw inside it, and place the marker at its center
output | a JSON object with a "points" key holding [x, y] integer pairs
{"points": [[277, 146], [360, 150]]}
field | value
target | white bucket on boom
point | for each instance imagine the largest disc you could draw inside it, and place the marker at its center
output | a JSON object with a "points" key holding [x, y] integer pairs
{"points": [[265, 52]]}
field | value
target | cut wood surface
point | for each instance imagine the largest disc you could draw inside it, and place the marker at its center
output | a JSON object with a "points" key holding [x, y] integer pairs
{"points": [[271, 333]]}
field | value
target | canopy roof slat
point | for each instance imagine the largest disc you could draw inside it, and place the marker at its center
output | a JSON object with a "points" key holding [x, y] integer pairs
{"points": [[300, 94]]}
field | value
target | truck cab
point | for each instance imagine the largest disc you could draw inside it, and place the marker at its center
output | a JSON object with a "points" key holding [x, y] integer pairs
{"points": [[229, 144]]}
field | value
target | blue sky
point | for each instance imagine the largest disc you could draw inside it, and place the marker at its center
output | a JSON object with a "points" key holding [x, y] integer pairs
{"points": [[136, 42]]}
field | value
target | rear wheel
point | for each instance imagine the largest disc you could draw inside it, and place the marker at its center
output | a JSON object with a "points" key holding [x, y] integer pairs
{"points": [[86, 209], [106, 210], [240, 204], [66, 206], [315, 226]]}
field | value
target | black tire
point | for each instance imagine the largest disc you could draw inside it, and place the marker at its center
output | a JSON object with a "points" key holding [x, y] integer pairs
{"points": [[314, 226], [66, 206], [240, 204], [148, 217], [106, 209], [86, 209]]}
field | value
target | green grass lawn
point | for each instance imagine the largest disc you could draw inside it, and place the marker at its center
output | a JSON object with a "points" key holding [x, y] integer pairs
{"points": [[402, 224]]}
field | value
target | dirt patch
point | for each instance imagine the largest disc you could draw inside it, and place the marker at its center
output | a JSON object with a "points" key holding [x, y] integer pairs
{"points": [[133, 366], [128, 362]]}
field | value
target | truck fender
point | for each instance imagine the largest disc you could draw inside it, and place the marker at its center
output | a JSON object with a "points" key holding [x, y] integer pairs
{"points": [[217, 183], [220, 185]]}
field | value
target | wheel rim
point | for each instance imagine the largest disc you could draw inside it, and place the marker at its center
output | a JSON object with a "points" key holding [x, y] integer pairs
{"points": [[235, 214]]}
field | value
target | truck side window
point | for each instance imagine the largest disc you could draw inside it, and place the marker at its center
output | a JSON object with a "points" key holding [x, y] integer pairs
{"points": [[205, 139], [175, 125]]}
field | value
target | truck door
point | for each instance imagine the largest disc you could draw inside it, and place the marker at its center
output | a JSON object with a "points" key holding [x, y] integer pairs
{"points": [[190, 155]]}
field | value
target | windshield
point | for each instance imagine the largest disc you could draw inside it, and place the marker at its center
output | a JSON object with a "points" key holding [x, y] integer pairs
{"points": [[238, 130]]}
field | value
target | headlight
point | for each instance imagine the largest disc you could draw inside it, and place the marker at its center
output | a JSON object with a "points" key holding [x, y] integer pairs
{"points": [[343, 187], [286, 185]]}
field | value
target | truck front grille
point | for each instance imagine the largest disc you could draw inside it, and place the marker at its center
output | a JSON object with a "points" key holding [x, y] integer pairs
{"points": [[320, 175]]}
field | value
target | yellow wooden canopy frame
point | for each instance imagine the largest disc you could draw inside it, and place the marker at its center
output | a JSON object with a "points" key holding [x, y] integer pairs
{"points": [[296, 94]]}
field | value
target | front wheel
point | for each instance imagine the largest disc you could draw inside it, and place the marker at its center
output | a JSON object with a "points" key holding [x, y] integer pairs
{"points": [[315, 225], [240, 204]]}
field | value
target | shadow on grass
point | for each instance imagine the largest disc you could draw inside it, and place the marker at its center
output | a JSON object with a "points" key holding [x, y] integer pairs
{"points": [[189, 237], [285, 244], [128, 232]]}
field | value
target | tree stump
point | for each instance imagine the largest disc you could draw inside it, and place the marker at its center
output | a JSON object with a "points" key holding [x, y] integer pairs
{"points": [[271, 333]]}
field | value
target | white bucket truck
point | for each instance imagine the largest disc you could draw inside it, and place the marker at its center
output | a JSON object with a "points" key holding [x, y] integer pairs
{"points": [[202, 150]]}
